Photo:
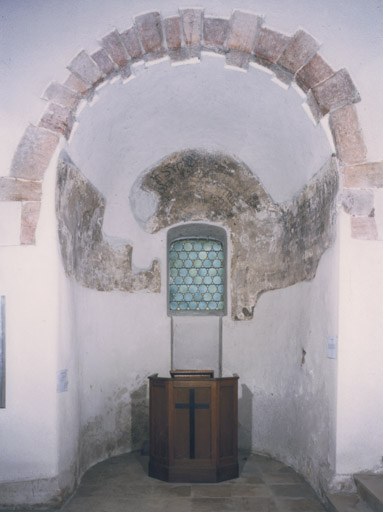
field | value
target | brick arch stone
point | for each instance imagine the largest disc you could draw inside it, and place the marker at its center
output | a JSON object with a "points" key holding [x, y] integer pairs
{"points": [[244, 40]]}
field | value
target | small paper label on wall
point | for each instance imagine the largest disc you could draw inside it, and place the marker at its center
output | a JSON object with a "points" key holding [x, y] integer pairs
{"points": [[332, 347], [62, 381]]}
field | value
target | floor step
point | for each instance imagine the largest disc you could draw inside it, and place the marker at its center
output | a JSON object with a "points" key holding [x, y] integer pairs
{"points": [[370, 489], [346, 503]]}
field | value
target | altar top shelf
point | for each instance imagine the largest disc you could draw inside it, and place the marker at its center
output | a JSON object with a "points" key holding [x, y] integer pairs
{"points": [[191, 374]]}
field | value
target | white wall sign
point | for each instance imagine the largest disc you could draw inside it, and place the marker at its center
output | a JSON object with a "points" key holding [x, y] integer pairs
{"points": [[332, 346], [2, 351], [62, 381]]}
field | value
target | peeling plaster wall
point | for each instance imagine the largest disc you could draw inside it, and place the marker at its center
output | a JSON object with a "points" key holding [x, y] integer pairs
{"points": [[273, 246], [92, 261]]}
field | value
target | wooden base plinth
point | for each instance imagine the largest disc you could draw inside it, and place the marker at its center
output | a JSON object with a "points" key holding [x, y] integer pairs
{"points": [[190, 474]]}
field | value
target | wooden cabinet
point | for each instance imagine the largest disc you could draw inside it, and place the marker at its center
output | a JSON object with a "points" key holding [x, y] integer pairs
{"points": [[193, 427]]}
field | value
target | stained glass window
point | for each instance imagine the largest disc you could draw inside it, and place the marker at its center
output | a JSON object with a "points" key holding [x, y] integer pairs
{"points": [[196, 275]]}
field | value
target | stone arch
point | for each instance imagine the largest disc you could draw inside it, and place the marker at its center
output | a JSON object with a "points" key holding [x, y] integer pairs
{"points": [[244, 41]]}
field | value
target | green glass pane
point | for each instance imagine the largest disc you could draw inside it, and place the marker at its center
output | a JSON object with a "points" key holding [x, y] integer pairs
{"points": [[195, 273]]}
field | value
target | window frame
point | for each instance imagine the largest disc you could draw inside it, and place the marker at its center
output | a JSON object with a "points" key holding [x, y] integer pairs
{"points": [[203, 231]]}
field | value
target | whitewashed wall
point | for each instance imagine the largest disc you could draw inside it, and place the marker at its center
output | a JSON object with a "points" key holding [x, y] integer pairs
{"points": [[53, 326]]}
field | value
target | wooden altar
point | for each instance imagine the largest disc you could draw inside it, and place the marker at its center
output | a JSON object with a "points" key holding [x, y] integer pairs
{"points": [[193, 427]]}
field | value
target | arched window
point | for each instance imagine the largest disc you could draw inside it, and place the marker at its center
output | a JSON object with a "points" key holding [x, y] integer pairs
{"points": [[197, 270]]}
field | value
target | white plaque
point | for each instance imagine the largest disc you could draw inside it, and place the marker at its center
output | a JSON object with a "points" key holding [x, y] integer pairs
{"points": [[62, 381], [332, 347], [2, 351]]}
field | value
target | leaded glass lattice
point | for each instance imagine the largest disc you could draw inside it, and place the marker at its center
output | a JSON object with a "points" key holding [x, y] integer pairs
{"points": [[196, 275]]}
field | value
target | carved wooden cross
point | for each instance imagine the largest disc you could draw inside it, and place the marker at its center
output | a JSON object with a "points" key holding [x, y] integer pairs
{"points": [[192, 406]]}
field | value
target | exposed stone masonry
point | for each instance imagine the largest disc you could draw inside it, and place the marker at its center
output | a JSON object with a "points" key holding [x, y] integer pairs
{"points": [[273, 246], [243, 39], [86, 256]]}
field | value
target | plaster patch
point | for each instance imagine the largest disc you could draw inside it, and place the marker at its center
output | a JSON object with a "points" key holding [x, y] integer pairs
{"points": [[86, 255]]}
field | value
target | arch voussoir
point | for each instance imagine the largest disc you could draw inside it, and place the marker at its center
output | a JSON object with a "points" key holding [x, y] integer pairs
{"points": [[58, 119], [86, 69], [30, 213]]}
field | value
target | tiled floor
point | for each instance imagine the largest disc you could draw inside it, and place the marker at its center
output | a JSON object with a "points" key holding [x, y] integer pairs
{"points": [[121, 484]]}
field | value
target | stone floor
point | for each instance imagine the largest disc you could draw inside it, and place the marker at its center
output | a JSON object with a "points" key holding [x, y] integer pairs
{"points": [[121, 484]]}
